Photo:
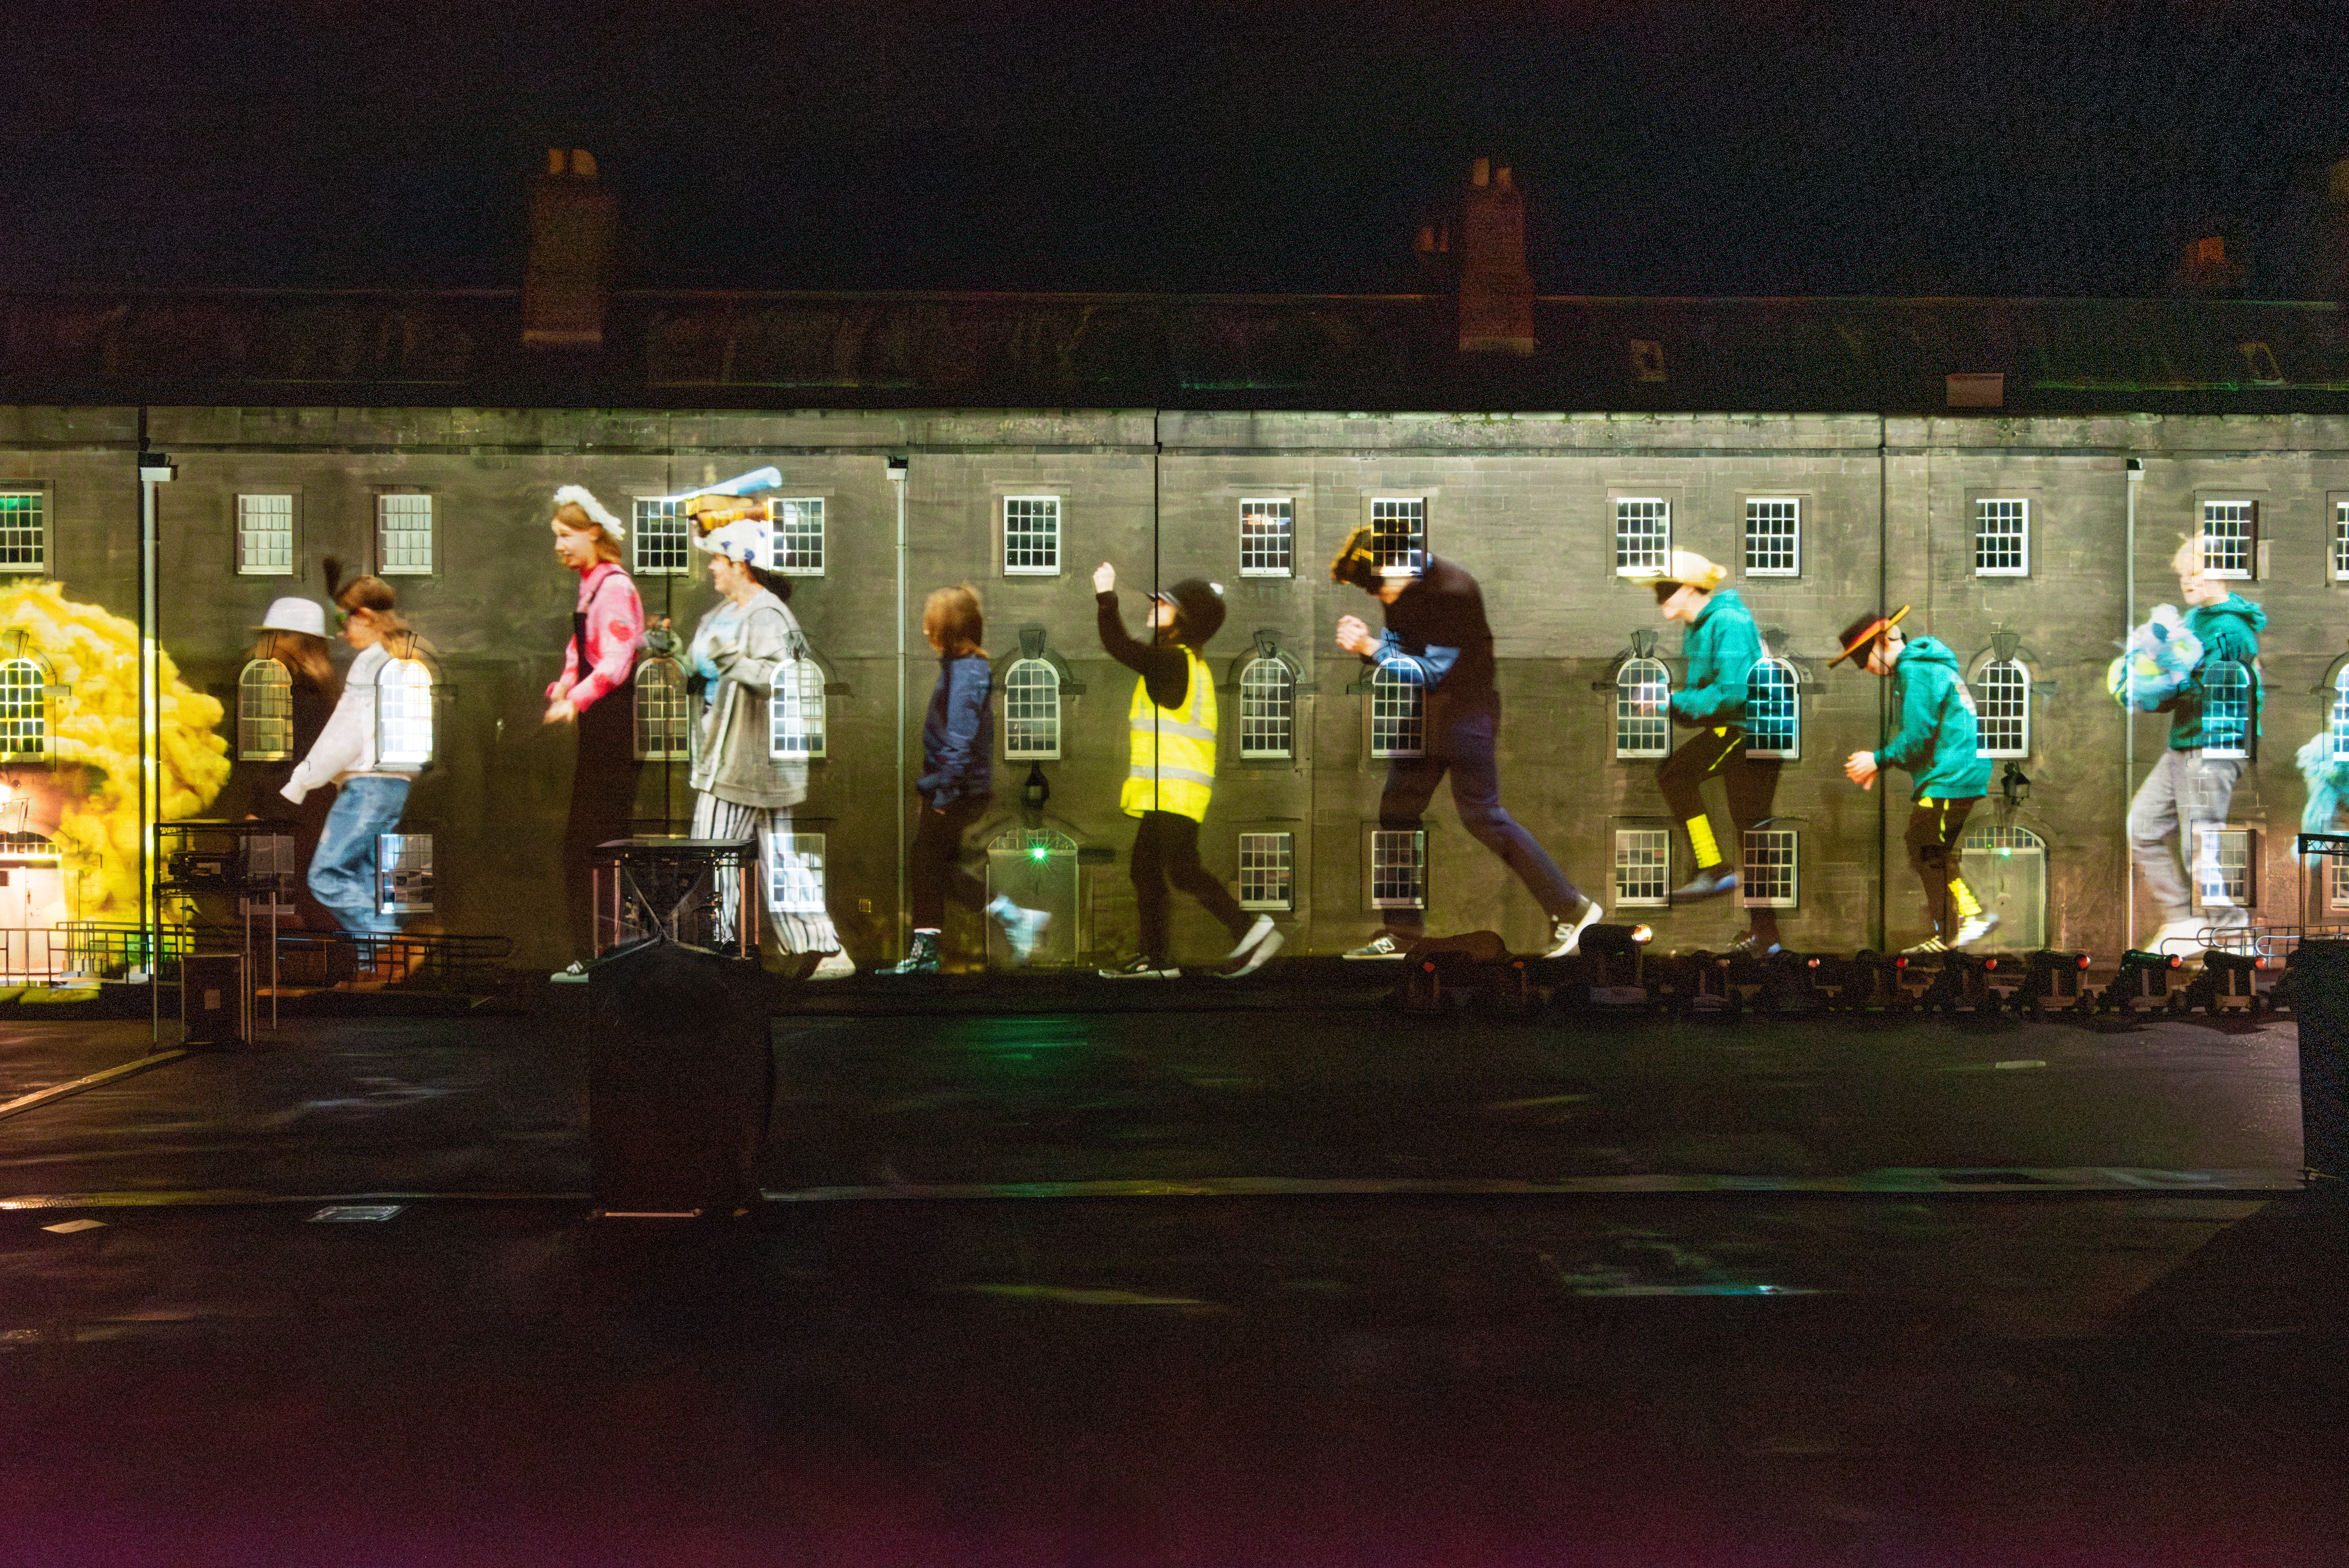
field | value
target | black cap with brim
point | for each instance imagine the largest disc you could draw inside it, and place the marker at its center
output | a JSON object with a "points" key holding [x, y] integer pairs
{"points": [[1863, 631]]}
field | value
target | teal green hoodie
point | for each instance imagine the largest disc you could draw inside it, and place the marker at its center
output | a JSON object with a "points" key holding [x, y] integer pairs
{"points": [[1722, 650], [2228, 630], [1937, 738]]}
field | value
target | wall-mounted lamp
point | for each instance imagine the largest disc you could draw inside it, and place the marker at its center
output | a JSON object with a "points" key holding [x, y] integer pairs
{"points": [[2014, 784]]}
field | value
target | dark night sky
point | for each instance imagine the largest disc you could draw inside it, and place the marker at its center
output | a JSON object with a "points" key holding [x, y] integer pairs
{"points": [[1776, 146]]}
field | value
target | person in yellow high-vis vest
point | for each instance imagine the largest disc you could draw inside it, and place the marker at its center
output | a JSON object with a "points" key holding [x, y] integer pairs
{"points": [[1171, 772]]}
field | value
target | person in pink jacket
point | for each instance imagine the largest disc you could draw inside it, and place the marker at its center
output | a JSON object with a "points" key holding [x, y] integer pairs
{"points": [[593, 692]]}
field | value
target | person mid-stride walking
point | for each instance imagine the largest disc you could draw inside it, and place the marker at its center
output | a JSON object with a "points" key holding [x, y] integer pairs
{"points": [[1171, 725]]}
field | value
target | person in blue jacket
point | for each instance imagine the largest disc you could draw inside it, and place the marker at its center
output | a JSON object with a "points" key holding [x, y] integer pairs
{"points": [[2213, 729], [1722, 647], [1936, 742], [955, 786]]}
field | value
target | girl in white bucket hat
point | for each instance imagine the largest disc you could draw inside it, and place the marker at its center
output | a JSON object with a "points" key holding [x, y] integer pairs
{"points": [[285, 692]]}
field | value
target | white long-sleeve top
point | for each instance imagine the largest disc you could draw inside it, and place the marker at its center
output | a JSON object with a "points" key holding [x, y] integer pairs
{"points": [[345, 748]]}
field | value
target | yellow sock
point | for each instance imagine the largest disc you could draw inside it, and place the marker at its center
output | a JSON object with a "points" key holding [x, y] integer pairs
{"points": [[1708, 854], [1968, 906]]}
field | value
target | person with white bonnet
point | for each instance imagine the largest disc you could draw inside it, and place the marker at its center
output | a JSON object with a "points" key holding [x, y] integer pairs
{"points": [[280, 722], [739, 650], [593, 693]]}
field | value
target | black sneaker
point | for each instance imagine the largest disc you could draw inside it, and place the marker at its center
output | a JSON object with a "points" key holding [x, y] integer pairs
{"points": [[1383, 945], [923, 959], [1141, 968]]}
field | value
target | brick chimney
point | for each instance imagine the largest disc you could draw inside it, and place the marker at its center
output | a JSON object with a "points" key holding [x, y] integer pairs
{"points": [[1496, 292], [562, 291], [2328, 275]]}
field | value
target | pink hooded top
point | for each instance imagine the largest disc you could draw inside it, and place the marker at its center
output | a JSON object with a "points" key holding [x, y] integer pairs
{"points": [[615, 621]]}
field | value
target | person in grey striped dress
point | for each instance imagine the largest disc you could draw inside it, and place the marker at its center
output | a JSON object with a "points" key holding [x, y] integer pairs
{"points": [[742, 648]]}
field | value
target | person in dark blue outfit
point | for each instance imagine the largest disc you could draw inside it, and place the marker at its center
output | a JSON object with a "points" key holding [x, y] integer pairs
{"points": [[957, 785]]}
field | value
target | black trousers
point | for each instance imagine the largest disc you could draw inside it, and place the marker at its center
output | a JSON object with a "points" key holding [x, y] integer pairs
{"points": [[1461, 744], [1934, 827], [1752, 782], [602, 806], [1167, 852], [934, 866]]}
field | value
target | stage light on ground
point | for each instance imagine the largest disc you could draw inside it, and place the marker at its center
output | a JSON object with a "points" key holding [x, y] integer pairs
{"points": [[1616, 940]]}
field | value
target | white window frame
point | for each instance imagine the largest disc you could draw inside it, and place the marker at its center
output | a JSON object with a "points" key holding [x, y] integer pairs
{"points": [[1792, 750], [403, 873], [1989, 704], [404, 560], [256, 681], [1643, 540], [796, 713], [1642, 737], [1032, 681], [1398, 721], [1256, 725], [1990, 541], [1393, 849], [1792, 538], [1267, 870], [666, 733], [2336, 720], [656, 522], [2211, 672], [415, 714], [789, 516], [1049, 512], [24, 733], [793, 871], [254, 555], [24, 547], [1404, 559], [2230, 513], [1277, 536], [2336, 881], [1769, 891], [2226, 866], [2341, 542], [1643, 868]]}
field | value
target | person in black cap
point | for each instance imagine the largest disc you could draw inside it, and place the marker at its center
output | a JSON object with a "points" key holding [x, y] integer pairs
{"points": [[1171, 737], [1435, 625]]}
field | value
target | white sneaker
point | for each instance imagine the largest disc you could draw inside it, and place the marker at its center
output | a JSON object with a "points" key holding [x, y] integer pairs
{"points": [[1383, 945], [1022, 928], [1974, 929], [576, 973], [1266, 947], [835, 966], [1256, 934], [1565, 930], [2182, 937]]}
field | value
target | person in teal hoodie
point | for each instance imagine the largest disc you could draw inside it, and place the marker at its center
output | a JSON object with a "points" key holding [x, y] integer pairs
{"points": [[1938, 743], [1722, 647], [2214, 730]]}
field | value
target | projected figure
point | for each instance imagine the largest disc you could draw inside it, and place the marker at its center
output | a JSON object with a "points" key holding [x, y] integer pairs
{"points": [[1722, 646], [2214, 730], [369, 794], [1171, 773], [1936, 741], [1437, 635], [607, 623], [746, 775], [285, 694]]}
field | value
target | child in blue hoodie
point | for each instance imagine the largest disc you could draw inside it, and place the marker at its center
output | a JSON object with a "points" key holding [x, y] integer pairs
{"points": [[1938, 743], [2213, 729]]}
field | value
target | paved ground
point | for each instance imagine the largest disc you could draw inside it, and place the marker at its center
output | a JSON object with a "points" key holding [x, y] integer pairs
{"points": [[1714, 1377]]}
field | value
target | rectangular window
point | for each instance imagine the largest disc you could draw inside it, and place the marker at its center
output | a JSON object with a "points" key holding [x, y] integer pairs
{"points": [[2224, 865], [1399, 535], [1773, 537], [2336, 881], [1266, 877], [24, 534], [2229, 537], [403, 876], [1768, 879], [1032, 535], [659, 539], [796, 874], [1643, 535], [265, 536], [798, 536], [2341, 542], [403, 535], [2002, 538], [1267, 535], [1643, 867], [1398, 711], [1398, 868]]}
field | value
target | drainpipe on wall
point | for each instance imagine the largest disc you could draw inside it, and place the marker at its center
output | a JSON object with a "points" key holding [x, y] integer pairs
{"points": [[2128, 721], [1883, 695], [897, 471], [154, 469]]}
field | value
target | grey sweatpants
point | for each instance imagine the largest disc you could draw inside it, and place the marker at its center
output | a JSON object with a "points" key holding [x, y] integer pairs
{"points": [[2185, 790]]}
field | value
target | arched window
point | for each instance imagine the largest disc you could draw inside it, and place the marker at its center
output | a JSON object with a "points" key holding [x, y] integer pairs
{"points": [[1643, 724], [1031, 710], [795, 710], [1398, 711], [24, 711], [264, 712], [1774, 713], [2226, 708], [403, 710], [2006, 867], [2337, 724], [663, 711], [2002, 709], [1267, 708]]}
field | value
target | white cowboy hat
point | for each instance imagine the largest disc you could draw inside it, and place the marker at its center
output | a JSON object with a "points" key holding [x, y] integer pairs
{"points": [[1685, 567], [294, 615]]}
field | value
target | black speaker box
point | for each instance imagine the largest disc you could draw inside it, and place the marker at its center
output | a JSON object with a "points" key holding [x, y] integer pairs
{"points": [[2320, 979]]}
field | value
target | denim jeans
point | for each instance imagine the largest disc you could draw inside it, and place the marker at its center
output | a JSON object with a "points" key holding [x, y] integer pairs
{"points": [[342, 873]]}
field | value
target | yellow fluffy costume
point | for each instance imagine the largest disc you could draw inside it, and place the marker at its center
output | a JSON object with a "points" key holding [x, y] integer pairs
{"points": [[93, 661]]}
